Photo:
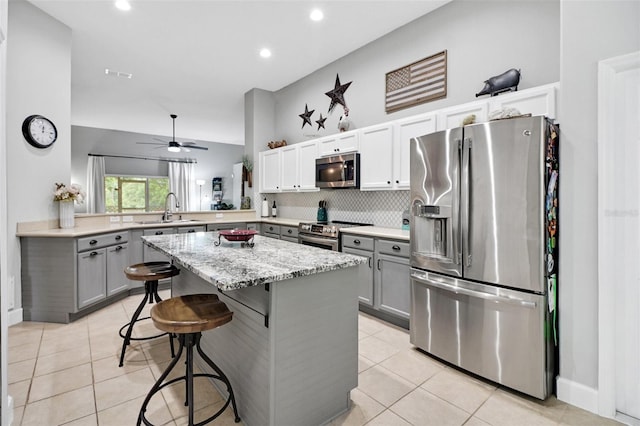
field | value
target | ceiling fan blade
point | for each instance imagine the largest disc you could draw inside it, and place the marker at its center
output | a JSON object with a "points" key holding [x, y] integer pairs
{"points": [[151, 143], [160, 140], [204, 148]]}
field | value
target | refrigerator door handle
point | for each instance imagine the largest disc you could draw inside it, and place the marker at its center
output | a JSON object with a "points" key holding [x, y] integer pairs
{"points": [[466, 212], [442, 284]]}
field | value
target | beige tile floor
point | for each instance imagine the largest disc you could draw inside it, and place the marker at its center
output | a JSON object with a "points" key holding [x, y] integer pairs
{"points": [[69, 375]]}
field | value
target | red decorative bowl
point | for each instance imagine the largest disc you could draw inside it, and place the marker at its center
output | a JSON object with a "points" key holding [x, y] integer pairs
{"points": [[238, 234]]}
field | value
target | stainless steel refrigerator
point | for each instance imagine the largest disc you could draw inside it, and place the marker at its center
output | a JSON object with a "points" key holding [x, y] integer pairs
{"points": [[483, 249]]}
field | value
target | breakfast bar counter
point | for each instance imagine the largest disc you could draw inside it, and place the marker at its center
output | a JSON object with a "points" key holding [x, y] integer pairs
{"points": [[291, 350]]}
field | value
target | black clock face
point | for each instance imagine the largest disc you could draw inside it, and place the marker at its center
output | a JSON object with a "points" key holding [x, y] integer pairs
{"points": [[39, 131]]}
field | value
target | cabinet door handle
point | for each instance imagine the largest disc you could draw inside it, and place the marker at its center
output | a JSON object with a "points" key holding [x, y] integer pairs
{"points": [[159, 232], [118, 248], [370, 259], [93, 253], [396, 247], [93, 242], [379, 265], [190, 231], [356, 242], [290, 231], [118, 237]]}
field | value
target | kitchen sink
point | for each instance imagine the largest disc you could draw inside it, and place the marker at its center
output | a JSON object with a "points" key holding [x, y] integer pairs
{"points": [[152, 222]]}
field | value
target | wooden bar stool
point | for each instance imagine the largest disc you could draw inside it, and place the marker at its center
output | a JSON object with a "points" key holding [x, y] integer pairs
{"points": [[188, 316], [150, 273]]}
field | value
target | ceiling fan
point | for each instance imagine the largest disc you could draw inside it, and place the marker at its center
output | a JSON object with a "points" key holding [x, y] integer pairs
{"points": [[173, 145]]}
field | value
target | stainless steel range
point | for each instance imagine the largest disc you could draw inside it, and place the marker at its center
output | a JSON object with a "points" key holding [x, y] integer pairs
{"points": [[326, 236]]}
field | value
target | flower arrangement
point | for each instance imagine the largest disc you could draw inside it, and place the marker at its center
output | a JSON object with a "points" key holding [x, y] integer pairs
{"points": [[71, 193]]}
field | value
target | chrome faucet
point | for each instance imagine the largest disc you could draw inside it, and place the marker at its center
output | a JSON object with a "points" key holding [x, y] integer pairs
{"points": [[167, 212]]}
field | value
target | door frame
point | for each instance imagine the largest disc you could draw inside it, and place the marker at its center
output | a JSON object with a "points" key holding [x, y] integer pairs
{"points": [[607, 75]]}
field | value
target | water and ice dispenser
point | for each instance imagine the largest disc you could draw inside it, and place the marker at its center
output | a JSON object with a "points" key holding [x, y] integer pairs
{"points": [[432, 231]]}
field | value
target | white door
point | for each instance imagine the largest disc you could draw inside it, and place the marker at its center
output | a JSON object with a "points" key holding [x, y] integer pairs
{"points": [[619, 236]]}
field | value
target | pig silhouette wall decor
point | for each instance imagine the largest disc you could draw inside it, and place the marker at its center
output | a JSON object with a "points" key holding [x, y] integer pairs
{"points": [[507, 81]]}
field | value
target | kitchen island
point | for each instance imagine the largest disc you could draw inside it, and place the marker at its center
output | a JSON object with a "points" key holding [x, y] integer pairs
{"points": [[291, 350]]}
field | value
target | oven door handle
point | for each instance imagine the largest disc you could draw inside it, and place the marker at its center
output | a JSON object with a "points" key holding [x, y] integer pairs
{"points": [[318, 240]]}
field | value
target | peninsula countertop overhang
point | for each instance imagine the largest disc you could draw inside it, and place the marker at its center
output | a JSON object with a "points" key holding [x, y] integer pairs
{"points": [[232, 265]]}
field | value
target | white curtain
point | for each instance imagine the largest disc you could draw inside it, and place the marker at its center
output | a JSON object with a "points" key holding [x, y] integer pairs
{"points": [[95, 185], [182, 183]]}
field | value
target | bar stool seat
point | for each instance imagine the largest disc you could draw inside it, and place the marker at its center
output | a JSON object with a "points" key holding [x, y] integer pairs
{"points": [[150, 273], [187, 317]]}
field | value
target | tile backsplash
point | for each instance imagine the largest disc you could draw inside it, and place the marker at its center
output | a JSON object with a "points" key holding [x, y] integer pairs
{"points": [[380, 208]]}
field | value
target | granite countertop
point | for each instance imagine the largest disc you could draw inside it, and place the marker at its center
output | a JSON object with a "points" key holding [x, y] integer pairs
{"points": [[230, 266], [377, 231]]}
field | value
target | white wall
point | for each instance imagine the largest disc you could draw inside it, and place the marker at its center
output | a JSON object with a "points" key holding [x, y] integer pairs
{"points": [[38, 82], [482, 39], [590, 31], [216, 162], [5, 413]]}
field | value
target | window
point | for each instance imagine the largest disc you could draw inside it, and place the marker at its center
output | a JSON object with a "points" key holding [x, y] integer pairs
{"points": [[134, 194]]}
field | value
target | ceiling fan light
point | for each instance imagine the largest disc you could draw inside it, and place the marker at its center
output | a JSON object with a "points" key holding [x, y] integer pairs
{"points": [[173, 149]]}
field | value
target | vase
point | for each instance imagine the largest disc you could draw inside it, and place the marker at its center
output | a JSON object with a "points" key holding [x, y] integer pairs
{"points": [[67, 214]]}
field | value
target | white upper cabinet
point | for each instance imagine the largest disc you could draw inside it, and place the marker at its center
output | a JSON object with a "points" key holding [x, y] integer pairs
{"points": [[535, 101], [384, 151], [376, 157], [270, 167], [406, 129], [338, 144], [449, 118], [298, 163]]}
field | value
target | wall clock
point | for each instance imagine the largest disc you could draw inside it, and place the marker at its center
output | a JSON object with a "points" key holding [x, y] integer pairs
{"points": [[39, 131]]}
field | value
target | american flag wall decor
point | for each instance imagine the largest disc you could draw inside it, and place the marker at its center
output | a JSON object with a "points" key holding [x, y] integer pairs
{"points": [[419, 82]]}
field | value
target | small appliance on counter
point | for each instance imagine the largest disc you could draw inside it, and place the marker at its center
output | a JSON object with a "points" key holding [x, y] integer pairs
{"points": [[322, 212]]}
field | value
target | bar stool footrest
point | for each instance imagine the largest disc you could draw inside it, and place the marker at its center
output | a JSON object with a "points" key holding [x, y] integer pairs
{"points": [[123, 335]]}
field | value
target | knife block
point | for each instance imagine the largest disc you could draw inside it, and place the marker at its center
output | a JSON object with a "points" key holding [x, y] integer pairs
{"points": [[322, 215]]}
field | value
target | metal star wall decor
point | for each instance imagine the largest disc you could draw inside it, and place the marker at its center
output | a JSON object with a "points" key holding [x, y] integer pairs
{"points": [[321, 121], [337, 94], [306, 116]]}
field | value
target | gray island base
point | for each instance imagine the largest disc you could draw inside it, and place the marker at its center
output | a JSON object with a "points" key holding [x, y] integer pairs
{"points": [[291, 350]]}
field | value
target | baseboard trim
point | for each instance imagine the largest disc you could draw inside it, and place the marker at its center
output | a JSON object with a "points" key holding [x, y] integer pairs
{"points": [[14, 317], [577, 394]]}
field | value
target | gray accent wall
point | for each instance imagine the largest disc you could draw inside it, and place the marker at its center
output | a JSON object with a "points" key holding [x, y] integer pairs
{"points": [[618, 33], [35, 39], [216, 162], [482, 39]]}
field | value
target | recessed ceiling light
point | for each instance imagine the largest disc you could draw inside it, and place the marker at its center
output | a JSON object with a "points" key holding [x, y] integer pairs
{"points": [[123, 4], [316, 15], [265, 53]]}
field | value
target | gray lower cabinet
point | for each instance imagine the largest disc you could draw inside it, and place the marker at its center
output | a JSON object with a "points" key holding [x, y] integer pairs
{"points": [[222, 226], [384, 288], [152, 255], [253, 226], [289, 233], [64, 278], [191, 229], [271, 230]]}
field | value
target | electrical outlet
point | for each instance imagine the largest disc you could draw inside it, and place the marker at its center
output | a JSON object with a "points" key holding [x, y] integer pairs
{"points": [[114, 219], [219, 215], [12, 293], [127, 218]]}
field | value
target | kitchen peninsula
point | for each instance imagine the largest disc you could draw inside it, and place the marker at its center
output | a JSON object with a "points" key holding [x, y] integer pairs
{"points": [[291, 351]]}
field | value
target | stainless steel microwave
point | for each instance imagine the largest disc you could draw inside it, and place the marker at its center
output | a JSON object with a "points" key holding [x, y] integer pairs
{"points": [[340, 171]]}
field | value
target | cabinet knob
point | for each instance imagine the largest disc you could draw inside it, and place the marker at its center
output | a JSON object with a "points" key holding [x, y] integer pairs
{"points": [[290, 231], [356, 242], [396, 247], [388, 182], [397, 181], [118, 248], [191, 230], [93, 242], [93, 253], [159, 232], [118, 237]]}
